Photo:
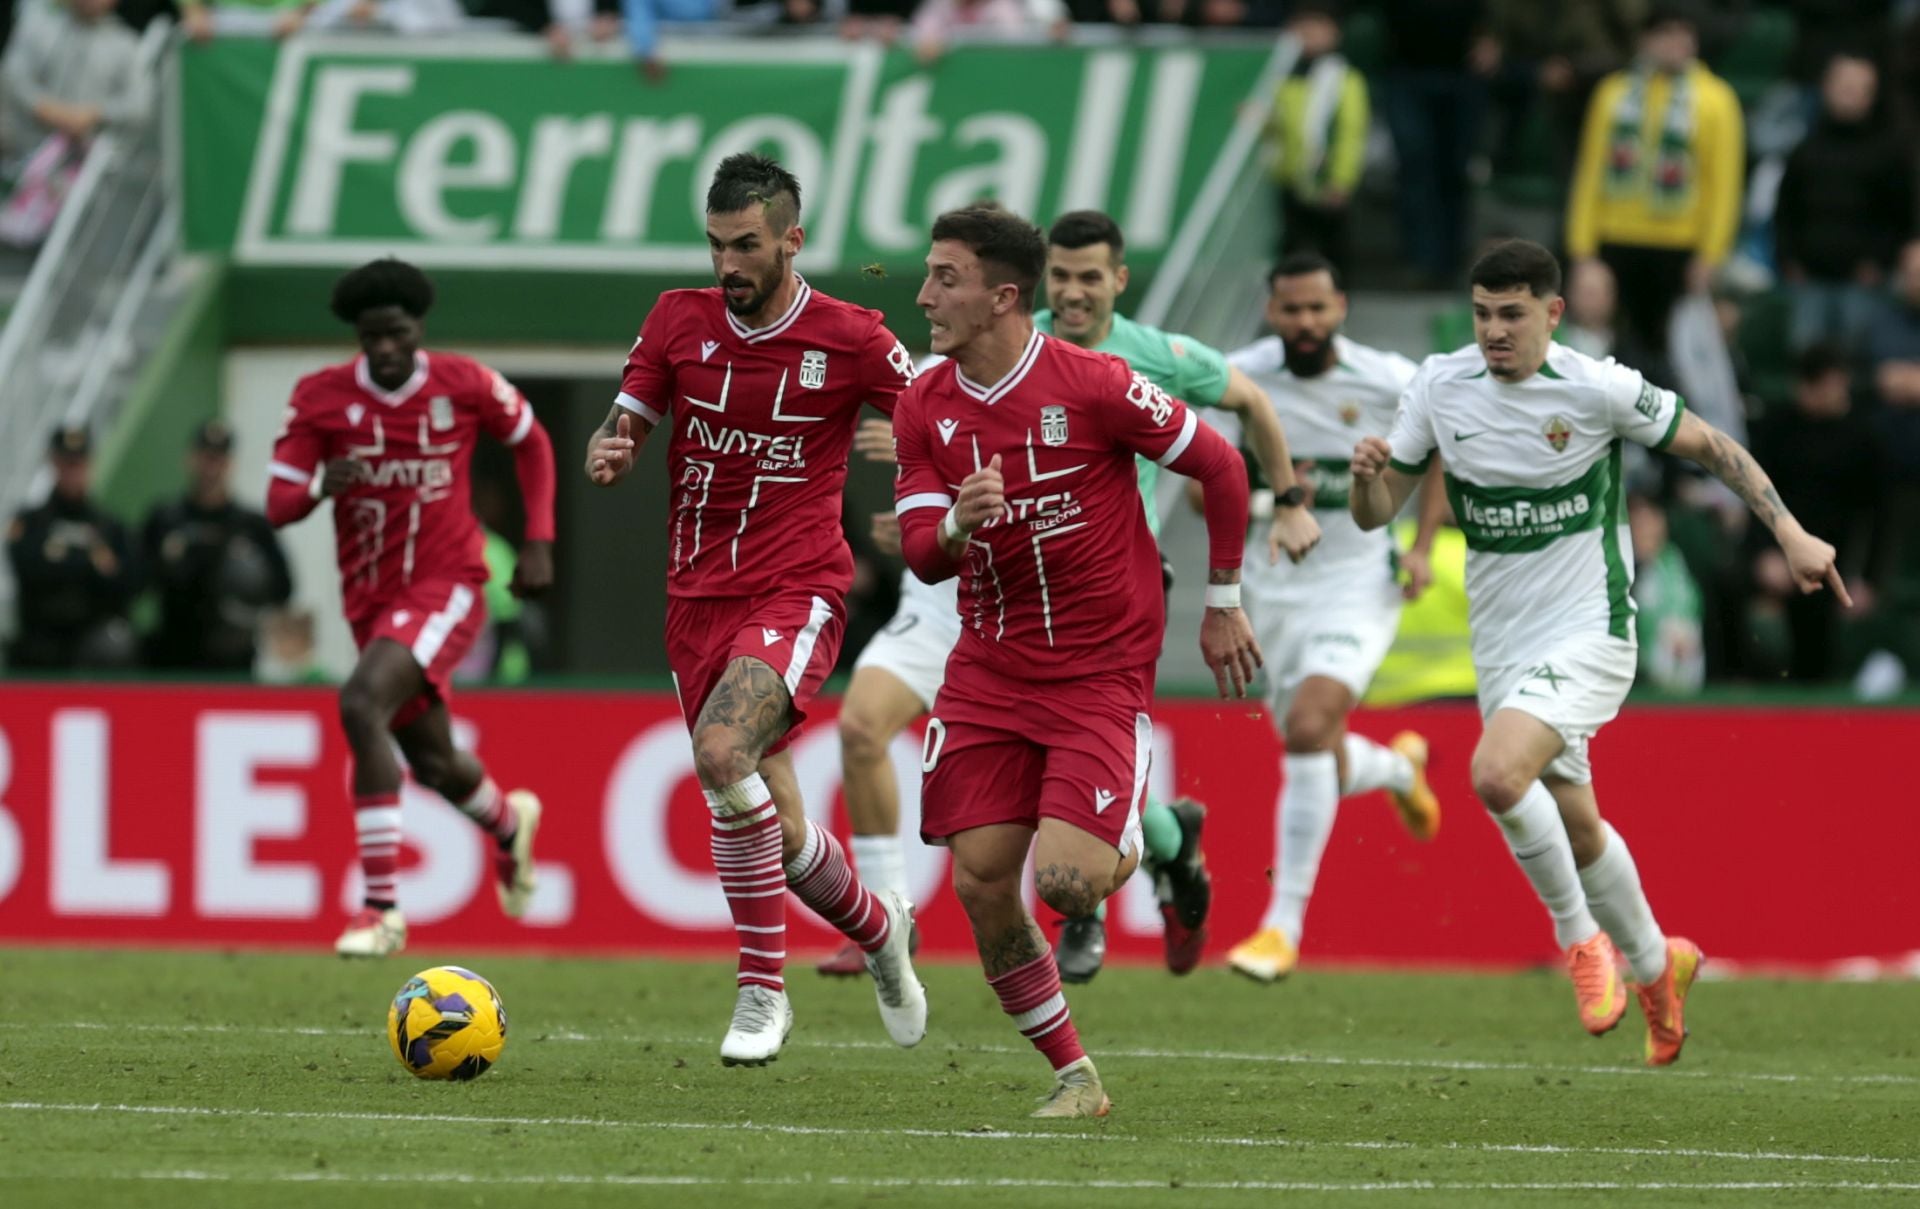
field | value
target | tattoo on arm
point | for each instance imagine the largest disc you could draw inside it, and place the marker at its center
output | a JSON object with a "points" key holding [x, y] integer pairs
{"points": [[1736, 468], [1223, 575], [752, 703], [611, 426], [1010, 948]]}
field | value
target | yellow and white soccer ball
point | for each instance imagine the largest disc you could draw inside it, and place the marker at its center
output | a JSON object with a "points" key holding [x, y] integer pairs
{"points": [[447, 1023]]}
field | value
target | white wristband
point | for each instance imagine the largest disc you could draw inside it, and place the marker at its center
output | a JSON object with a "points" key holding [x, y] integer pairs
{"points": [[950, 527], [317, 485], [1223, 596]]}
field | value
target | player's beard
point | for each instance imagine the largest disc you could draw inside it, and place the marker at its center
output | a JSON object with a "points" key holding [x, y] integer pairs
{"points": [[1308, 362], [764, 289]]}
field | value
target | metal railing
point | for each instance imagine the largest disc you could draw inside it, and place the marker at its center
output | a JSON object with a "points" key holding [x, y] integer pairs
{"points": [[68, 341]]}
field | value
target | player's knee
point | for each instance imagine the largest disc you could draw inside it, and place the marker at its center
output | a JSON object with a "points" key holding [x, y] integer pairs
{"points": [[1311, 728], [435, 771], [1498, 783], [362, 714], [1068, 889], [862, 740], [721, 756], [982, 891]]}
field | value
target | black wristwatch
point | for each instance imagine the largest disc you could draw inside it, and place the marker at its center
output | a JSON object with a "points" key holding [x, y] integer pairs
{"points": [[1292, 497]]}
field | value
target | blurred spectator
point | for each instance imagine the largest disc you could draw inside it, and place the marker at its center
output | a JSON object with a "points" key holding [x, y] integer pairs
{"points": [[1893, 351], [644, 19], [74, 571], [1439, 56], [1673, 656], [215, 564], [935, 22], [412, 17], [1587, 40], [1822, 458], [203, 19], [1893, 343], [1826, 28], [1845, 204], [563, 23], [70, 69], [1656, 191], [1318, 138], [288, 654], [1592, 323]]}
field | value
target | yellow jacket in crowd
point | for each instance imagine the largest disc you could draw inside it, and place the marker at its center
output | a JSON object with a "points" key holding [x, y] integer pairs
{"points": [[1318, 130], [1662, 164]]}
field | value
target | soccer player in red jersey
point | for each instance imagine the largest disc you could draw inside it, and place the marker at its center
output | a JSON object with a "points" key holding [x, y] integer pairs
{"points": [[1017, 475], [762, 380], [388, 437]]}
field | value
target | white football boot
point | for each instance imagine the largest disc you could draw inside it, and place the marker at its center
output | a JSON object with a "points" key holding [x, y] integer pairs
{"points": [[514, 869], [903, 1000], [1076, 1093], [762, 1018], [373, 933]]}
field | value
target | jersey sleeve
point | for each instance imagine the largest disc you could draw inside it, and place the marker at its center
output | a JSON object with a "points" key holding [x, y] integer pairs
{"points": [[1412, 442], [1198, 373], [1637, 409], [297, 454], [505, 414], [1227, 424], [921, 497], [1143, 418], [886, 368], [646, 388]]}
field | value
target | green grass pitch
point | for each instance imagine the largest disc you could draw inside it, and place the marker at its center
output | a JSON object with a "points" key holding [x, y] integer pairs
{"points": [[210, 1080]]}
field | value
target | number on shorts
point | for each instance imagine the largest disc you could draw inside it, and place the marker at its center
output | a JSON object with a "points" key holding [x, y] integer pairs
{"points": [[931, 745]]}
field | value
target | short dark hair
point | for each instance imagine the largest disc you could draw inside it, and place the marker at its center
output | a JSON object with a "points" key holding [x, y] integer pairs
{"points": [[1078, 229], [744, 178], [378, 283], [1818, 360], [1010, 248], [1302, 264], [1517, 262]]}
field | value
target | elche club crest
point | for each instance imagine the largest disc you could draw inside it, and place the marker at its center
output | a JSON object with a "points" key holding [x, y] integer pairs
{"points": [[1053, 425], [1349, 412], [813, 369], [1558, 432]]}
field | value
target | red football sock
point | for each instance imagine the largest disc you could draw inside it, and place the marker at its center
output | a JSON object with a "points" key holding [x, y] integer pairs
{"points": [[746, 854], [1031, 995], [376, 820], [822, 878]]}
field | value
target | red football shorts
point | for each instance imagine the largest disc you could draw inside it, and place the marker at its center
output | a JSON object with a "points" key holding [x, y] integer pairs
{"points": [[1000, 750], [437, 621], [796, 633]]}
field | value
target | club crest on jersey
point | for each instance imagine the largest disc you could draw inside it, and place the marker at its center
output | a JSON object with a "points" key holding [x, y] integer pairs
{"points": [[354, 412], [1349, 413], [440, 412], [1053, 425], [1558, 432], [813, 369]]}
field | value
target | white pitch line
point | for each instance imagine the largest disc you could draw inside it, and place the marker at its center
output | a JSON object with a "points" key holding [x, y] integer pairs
{"points": [[1465, 1065], [988, 1135], [1158, 1186]]}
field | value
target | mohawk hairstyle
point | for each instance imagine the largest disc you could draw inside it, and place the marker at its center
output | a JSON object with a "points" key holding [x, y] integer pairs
{"points": [[378, 283], [745, 179]]}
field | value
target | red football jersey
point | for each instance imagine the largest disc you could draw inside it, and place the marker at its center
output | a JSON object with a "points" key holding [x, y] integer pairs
{"points": [[1068, 579], [411, 519], [762, 421]]}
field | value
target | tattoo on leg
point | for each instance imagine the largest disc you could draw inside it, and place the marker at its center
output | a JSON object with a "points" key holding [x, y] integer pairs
{"points": [[750, 701], [1066, 889], [1009, 948]]}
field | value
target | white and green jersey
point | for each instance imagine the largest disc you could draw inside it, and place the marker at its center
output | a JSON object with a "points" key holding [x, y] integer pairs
{"points": [[1533, 472], [1324, 417]]}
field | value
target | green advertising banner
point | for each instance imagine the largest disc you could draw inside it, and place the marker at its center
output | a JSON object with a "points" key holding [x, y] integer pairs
{"points": [[488, 154]]}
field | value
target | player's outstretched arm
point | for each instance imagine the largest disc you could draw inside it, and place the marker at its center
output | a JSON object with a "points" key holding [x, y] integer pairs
{"points": [[1294, 531], [1379, 491], [615, 446], [1810, 559]]}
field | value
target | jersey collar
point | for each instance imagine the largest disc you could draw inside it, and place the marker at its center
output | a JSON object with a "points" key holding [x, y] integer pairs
{"points": [[756, 335], [396, 397], [993, 394]]}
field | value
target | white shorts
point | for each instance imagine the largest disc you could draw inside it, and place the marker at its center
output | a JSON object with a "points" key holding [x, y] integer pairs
{"points": [[1343, 640], [914, 646], [1576, 688]]}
